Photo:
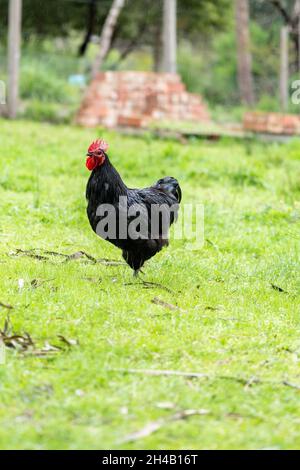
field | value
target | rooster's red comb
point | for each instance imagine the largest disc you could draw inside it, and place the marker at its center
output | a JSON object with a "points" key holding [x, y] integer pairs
{"points": [[98, 144]]}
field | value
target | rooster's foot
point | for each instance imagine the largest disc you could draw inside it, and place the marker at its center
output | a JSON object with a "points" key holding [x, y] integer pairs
{"points": [[137, 272]]}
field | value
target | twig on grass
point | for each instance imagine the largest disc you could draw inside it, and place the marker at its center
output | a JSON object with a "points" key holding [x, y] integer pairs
{"points": [[43, 255], [35, 283], [29, 253], [197, 375], [164, 304], [278, 289], [161, 372], [154, 426], [24, 344], [150, 285], [169, 306], [68, 342], [288, 384], [80, 254], [7, 306]]}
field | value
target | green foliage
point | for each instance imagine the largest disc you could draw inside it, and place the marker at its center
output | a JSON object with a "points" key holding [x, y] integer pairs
{"points": [[190, 67], [212, 70], [231, 324], [202, 17], [45, 89], [51, 19], [40, 111], [42, 83]]}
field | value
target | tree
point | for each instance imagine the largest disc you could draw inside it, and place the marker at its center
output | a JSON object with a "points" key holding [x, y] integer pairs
{"points": [[245, 78], [91, 23], [14, 40], [170, 36], [138, 27], [106, 34], [138, 24], [290, 13], [284, 68]]}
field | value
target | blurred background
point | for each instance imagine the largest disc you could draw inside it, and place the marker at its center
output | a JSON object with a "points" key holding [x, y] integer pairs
{"points": [[236, 54]]}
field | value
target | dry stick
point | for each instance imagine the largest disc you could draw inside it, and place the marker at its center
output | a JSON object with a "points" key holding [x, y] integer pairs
{"points": [[149, 285], [278, 289], [36, 283], [198, 375], [161, 372], [288, 384], [8, 307], [154, 426], [106, 35], [164, 304], [80, 254], [31, 254], [26, 346], [73, 256], [156, 284]]}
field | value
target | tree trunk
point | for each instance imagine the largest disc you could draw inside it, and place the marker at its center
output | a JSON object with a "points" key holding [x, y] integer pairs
{"points": [[170, 36], [92, 10], [297, 21], [14, 52], [107, 34], [2, 95], [284, 68], [293, 21], [158, 49], [245, 78]]}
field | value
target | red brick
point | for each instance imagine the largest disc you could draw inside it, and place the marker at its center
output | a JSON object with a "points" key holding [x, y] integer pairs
{"points": [[272, 123], [135, 99], [130, 121]]}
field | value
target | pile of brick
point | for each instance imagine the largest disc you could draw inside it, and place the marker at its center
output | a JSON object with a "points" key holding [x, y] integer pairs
{"points": [[137, 99], [272, 123]]}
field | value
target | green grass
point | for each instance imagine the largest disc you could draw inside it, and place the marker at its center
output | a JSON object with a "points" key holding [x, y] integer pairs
{"points": [[231, 325]]}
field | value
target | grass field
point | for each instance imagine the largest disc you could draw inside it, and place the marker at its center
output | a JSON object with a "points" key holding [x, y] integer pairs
{"points": [[230, 311]]}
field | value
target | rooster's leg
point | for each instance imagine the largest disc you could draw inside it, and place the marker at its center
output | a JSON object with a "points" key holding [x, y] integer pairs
{"points": [[137, 272]]}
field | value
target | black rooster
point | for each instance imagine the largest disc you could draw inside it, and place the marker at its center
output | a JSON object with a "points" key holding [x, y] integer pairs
{"points": [[105, 190]]}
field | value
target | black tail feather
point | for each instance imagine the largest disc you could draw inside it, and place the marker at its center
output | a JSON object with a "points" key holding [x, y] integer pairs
{"points": [[170, 185]]}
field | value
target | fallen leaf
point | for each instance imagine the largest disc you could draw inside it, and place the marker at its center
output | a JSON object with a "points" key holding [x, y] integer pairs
{"points": [[24, 344], [35, 283], [278, 289]]}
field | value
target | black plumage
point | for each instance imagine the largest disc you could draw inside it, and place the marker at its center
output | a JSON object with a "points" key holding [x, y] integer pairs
{"points": [[105, 186]]}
